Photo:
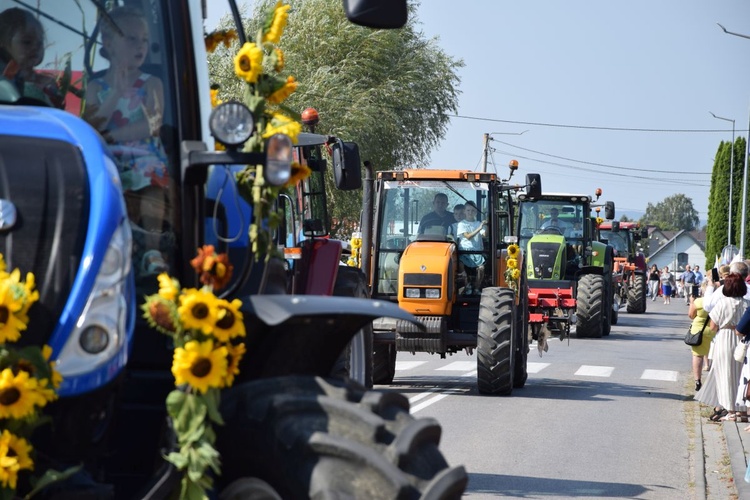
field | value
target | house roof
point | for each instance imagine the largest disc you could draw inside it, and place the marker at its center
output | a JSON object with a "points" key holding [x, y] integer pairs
{"points": [[673, 235]]}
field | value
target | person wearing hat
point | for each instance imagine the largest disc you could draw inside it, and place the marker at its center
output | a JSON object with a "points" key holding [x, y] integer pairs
{"points": [[470, 233], [554, 221]]}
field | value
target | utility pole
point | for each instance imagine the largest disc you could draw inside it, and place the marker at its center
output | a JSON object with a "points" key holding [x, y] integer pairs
{"points": [[485, 152]]}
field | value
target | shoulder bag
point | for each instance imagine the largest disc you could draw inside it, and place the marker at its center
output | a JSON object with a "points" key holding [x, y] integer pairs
{"points": [[693, 339]]}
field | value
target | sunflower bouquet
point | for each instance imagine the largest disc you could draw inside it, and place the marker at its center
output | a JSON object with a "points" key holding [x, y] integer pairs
{"points": [[512, 272], [356, 244], [207, 334], [28, 382]]}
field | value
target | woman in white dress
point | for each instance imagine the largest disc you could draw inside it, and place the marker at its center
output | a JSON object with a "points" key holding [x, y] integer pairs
{"points": [[725, 316]]}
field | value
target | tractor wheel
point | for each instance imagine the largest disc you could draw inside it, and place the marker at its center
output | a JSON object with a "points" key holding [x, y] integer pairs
{"points": [[589, 306], [607, 302], [520, 368], [495, 353], [637, 295], [306, 437], [355, 361], [383, 363]]}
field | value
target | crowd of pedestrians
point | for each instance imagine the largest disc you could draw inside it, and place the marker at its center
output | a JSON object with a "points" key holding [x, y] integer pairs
{"points": [[722, 310], [668, 284]]}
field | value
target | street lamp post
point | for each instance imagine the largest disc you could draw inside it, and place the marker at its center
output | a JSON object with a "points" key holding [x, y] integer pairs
{"points": [[731, 178], [744, 173]]}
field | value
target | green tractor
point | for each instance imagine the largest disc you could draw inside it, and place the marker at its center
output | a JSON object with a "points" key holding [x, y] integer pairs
{"points": [[569, 272]]}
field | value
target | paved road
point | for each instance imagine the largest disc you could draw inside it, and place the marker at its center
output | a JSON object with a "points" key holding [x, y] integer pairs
{"points": [[598, 418]]}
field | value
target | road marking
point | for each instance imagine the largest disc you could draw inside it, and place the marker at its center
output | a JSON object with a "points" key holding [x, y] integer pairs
{"points": [[472, 373], [459, 366], [594, 371], [422, 395], [408, 365], [425, 404], [667, 375], [536, 367]]}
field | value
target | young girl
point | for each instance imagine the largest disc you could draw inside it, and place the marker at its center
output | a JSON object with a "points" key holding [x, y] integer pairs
{"points": [[22, 40], [125, 105], [653, 282], [470, 232], [667, 284]]}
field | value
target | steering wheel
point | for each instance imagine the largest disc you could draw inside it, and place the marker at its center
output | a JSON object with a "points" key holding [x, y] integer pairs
{"points": [[552, 230]]}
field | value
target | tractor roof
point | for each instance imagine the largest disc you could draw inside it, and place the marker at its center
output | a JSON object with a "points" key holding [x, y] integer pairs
{"points": [[430, 174], [607, 224]]}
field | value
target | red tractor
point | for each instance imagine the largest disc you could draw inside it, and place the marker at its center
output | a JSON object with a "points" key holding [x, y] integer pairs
{"points": [[629, 272]]}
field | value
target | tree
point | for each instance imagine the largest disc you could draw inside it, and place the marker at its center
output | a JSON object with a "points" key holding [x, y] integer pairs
{"points": [[673, 214], [625, 218], [717, 229], [390, 91]]}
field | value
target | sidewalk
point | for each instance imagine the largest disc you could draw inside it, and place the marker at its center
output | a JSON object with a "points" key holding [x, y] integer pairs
{"points": [[738, 446], [714, 478]]}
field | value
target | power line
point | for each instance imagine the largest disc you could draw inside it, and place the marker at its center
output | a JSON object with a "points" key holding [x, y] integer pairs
{"points": [[601, 164]]}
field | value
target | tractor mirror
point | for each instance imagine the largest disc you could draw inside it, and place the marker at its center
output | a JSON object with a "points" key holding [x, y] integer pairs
{"points": [[609, 210], [381, 14], [615, 226], [644, 233], [346, 165], [533, 185]]}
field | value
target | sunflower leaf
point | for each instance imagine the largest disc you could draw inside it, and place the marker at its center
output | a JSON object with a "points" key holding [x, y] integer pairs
{"points": [[211, 400], [51, 476], [177, 459]]}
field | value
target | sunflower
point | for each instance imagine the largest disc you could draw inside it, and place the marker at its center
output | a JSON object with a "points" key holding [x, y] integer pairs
{"points": [[11, 325], [199, 365], [356, 243], [512, 263], [284, 91], [515, 274], [278, 60], [234, 356], [19, 394], [299, 173], [280, 124], [513, 251], [18, 448], [2, 267], [276, 23], [161, 314], [9, 466], [56, 377], [198, 310], [248, 63], [229, 324], [169, 288]]}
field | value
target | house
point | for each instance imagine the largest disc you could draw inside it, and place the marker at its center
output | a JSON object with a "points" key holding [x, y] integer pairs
{"points": [[676, 249]]}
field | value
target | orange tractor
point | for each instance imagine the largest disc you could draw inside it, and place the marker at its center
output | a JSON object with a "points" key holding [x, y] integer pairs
{"points": [[629, 275]]}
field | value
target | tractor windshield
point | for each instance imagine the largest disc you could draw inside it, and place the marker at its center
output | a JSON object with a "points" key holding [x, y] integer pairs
{"points": [[113, 64], [435, 209], [619, 240]]}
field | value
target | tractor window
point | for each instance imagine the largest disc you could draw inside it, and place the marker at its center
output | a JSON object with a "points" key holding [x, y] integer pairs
{"points": [[618, 240]]}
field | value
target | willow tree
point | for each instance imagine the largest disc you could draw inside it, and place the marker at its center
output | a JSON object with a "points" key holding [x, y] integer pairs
{"points": [[390, 91]]}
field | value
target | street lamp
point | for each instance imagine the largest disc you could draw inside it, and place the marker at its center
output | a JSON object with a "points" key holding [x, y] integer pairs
{"points": [[731, 178], [744, 173]]}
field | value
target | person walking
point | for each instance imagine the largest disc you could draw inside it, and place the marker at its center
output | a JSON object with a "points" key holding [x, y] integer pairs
{"points": [[687, 278], [667, 281], [653, 282], [724, 316], [699, 324], [698, 278]]}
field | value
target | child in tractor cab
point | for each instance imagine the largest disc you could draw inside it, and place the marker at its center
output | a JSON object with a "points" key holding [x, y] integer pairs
{"points": [[470, 233]]}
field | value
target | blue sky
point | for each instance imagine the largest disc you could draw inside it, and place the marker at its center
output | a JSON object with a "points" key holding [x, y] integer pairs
{"points": [[561, 73]]}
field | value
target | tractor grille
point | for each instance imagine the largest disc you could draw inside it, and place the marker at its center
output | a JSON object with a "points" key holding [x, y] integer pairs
{"points": [[543, 256], [47, 182]]}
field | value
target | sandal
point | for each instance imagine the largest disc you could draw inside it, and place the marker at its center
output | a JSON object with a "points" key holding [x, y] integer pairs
{"points": [[718, 414], [734, 417]]}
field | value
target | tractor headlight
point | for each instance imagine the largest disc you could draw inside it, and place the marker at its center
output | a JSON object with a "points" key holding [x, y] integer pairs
{"points": [[278, 168], [231, 123], [432, 293], [94, 339], [411, 293]]}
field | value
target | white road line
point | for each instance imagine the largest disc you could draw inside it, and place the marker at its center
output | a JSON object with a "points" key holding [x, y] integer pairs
{"points": [[425, 404], [667, 375], [536, 367], [472, 373], [408, 365], [459, 366], [422, 395], [594, 371]]}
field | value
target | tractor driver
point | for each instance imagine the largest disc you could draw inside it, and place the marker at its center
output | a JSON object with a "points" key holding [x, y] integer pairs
{"points": [[553, 221], [439, 217]]}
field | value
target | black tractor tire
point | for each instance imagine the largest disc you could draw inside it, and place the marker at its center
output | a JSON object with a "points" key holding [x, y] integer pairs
{"points": [[495, 341], [520, 367], [355, 361], [589, 306], [308, 437], [608, 301], [383, 363], [637, 295]]}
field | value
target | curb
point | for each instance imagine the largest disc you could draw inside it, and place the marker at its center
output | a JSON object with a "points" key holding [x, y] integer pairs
{"points": [[700, 461], [738, 447]]}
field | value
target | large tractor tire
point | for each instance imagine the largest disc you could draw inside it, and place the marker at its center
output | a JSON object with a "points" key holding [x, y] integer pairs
{"points": [[306, 437], [521, 347], [355, 361], [383, 363], [637, 295], [495, 342], [590, 306], [608, 301]]}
